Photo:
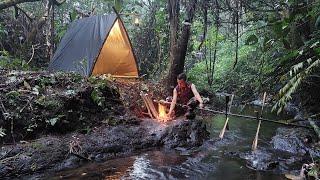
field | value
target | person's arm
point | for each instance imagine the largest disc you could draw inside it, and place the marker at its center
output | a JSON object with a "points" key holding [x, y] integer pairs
{"points": [[173, 102], [197, 95]]}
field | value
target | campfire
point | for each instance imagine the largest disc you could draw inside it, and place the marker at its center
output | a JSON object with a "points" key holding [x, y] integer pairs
{"points": [[159, 114], [162, 112]]}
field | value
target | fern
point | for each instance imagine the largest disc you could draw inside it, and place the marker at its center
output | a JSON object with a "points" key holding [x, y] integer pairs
{"points": [[299, 75]]}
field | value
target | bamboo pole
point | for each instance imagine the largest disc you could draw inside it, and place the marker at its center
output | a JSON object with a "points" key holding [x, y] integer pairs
{"points": [[227, 119], [255, 141]]}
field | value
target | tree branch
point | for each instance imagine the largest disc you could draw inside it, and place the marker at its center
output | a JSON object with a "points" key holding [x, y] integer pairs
{"points": [[8, 3], [25, 13]]}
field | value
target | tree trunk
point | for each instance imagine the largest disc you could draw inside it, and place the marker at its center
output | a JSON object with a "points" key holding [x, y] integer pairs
{"points": [[173, 10], [178, 46], [38, 25], [205, 23], [217, 14], [51, 34], [237, 33]]}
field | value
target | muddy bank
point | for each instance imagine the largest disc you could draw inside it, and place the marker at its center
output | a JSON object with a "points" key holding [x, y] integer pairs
{"points": [[55, 153], [33, 104]]}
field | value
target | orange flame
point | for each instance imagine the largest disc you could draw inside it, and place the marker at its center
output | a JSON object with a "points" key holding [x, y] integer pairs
{"points": [[162, 112]]}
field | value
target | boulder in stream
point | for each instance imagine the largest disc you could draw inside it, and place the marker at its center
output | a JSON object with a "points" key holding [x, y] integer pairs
{"points": [[185, 134], [293, 140]]}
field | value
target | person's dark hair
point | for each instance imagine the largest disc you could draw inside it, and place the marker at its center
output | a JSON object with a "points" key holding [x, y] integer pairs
{"points": [[182, 76]]}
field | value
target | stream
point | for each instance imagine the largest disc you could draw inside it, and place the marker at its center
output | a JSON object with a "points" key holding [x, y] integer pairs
{"points": [[213, 160]]}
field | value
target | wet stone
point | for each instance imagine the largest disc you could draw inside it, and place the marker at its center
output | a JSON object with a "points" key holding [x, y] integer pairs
{"points": [[293, 141], [186, 134]]}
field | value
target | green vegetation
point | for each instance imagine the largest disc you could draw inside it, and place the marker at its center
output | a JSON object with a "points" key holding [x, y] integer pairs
{"points": [[244, 47]]}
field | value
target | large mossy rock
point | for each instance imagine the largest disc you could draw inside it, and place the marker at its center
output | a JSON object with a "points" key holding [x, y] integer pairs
{"points": [[189, 133]]}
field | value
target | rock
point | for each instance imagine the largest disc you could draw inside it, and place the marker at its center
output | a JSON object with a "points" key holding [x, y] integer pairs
{"points": [[291, 109], [256, 102], [185, 134], [70, 162], [258, 160], [232, 154], [293, 140], [51, 153], [290, 150], [190, 115], [113, 149], [5, 170], [99, 158], [269, 160]]}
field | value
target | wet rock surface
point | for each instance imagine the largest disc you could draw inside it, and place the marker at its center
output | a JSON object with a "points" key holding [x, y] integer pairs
{"points": [[56, 153], [289, 151], [185, 134], [295, 141]]}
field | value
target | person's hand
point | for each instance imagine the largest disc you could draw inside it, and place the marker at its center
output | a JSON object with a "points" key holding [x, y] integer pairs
{"points": [[201, 105]]}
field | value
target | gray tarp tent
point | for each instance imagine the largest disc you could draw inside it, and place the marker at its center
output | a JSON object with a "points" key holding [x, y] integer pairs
{"points": [[96, 45]]}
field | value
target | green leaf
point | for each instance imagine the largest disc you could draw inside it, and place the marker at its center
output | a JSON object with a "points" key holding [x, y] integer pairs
{"points": [[289, 56], [317, 24], [251, 40], [277, 28], [73, 15], [314, 171], [314, 44], [53, 121], [317, 50], [2, 132], [118, 5], [13, 94]]}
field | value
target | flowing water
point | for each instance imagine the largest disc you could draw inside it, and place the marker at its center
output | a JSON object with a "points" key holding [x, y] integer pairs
{"points": [[210, 161]]}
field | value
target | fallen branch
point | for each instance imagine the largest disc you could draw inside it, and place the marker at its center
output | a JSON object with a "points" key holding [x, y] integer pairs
{"points": [[4, 111], [10, 158], [31, 55], [4, 156], [28, 103]]}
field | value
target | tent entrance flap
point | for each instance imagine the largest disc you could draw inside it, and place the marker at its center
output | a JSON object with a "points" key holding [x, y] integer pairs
{"points": [[116, 56]]}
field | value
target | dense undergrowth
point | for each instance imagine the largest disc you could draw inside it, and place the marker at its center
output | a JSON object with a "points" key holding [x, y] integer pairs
{"points": [[35, 103]]}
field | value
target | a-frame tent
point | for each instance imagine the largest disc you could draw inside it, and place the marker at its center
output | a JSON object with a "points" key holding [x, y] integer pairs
{"points": [[96, 45]]}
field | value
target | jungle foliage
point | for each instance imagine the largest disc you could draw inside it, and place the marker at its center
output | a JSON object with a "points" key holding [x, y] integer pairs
{"points": [[240, 46]]}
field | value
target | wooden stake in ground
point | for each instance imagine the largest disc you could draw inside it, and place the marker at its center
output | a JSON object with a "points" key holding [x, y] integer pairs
{"points": [[255, 141], [227, 119]]}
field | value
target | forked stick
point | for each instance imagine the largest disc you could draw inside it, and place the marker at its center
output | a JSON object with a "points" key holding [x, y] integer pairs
{"points": [[227, 119], [255, 141]]}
